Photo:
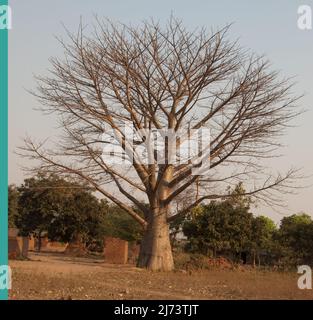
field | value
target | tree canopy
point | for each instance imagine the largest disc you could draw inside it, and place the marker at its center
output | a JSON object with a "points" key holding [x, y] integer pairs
{"points": [[221, 225], [296, 237], [64, 210]]}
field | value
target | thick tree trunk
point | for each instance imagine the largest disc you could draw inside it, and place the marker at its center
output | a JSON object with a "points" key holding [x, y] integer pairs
{"points": [[155, 250]]}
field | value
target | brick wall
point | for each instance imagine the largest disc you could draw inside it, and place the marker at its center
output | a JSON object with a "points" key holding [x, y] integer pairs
{"points": [[116, 250], [14, 249], [56, 244], [18, 246]]}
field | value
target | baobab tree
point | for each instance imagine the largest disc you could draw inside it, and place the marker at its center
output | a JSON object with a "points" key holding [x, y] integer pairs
{"points": [[168, 79]]}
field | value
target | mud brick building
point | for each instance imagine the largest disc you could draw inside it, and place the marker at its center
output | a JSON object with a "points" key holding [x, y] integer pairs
{"points": [[115, 250], [17, 246]]}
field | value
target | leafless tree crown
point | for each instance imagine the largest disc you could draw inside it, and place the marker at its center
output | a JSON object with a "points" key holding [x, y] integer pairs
{"points": [[164, 78]]}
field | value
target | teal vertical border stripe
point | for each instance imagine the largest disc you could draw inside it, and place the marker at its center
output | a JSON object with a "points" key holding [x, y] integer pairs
{"points": [[4, 150]]}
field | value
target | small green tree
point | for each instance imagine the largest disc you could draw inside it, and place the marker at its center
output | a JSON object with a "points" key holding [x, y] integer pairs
{"points": [[81, 216], [117, 223], [263, 229], [219, 227], [41, 197], [58, 207], [296, 238]]}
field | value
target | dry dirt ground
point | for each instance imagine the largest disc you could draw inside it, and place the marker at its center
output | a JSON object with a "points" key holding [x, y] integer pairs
{"points": [[55, 276]]}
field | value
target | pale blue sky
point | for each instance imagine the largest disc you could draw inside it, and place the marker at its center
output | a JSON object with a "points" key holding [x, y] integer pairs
{"points": [[267, 27]]}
